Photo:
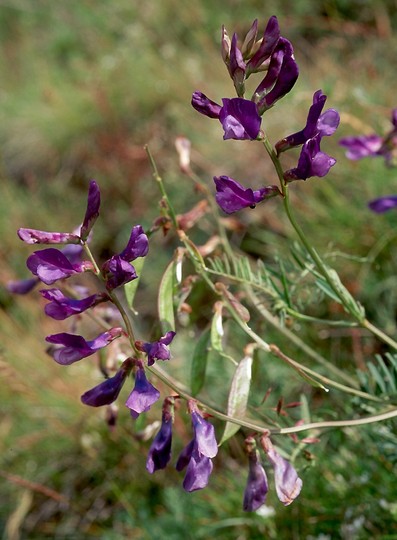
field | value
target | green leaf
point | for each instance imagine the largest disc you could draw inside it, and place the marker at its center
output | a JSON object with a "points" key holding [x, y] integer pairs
{"points": [[131, 287], [199, 363], [165, 300], [238, 396]]}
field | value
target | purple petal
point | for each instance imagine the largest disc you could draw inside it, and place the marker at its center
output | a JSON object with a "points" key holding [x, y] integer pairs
{"points": [[197, 473], [143, 395], [49, 265], [269, 42], [137, 246], [107, 392], [75, 347], [240, 119], [160, 449], [231, 196], [92, 212], [118, 272], [62, 307], [205, 106], [328, 122], [22, 286], [288, 483], [383, 204], [256, 487], [361, 146], [312, 162], [33, 236], [185, 456], [158, 350], [204, 434]]}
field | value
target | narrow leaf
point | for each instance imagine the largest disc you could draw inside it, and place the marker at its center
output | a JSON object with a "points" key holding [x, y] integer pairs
{"points": [[238, 396], [165, 300], [199, 363], [131, 287]]}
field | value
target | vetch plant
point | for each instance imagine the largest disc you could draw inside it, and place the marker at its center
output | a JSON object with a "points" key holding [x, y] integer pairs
{"points": [[239, 288]]}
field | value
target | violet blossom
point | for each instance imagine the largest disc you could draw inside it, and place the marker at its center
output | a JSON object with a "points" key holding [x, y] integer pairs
{"points": [[157, 350], [160, 449], [92, 211], [288, 484], [317, 124], [373, 145], [61, 307], [22, 286], [198, 452], [231, 196], [256, 488], [383, 204], [312, 162], [144, 393], [74, 347], [51, 264], [108, 391], [239, 117], [118, 270]]}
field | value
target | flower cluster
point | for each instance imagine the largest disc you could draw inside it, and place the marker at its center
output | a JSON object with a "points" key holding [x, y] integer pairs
{"points": [[53, 265], [287, 482], [241, 118], [197, 454]]}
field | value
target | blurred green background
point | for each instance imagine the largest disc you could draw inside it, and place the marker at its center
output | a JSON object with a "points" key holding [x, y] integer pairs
{"points": [[83, 86]]}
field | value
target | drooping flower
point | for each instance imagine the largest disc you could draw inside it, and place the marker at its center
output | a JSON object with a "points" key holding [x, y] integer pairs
{"points": [[231, 196], [288, 484], [107, 392], [198, 453], [51, 264], [144, 393], [383, 204], [312, 162], [92, 211], [74, 347], [373, 145], [160, 449], [239, 117], [317, 124], [118, 270], [157, 350], [256, 487], [61, 307]]}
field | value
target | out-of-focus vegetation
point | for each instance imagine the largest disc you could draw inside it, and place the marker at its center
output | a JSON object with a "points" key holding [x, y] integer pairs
{"points": [[84, 85]]}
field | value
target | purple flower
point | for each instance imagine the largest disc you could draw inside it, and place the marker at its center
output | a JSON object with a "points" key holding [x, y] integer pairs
{"points": [[232, 196], [280, 78], [383, 204], [143, 395], [198, 453], [75, 347], [256, 487], [288, 483], [118, 270], [160, 449], [157, 350], [237, 67], [239, 117], [107, 391], [22, 286], [61, 307], [33, 236], [92, 212], [51, 264], [317, 124], [363, 146], [312, 162]]}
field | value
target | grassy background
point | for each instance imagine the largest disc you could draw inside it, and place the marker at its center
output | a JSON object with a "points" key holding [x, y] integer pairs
{"points": [[84, 85]]}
